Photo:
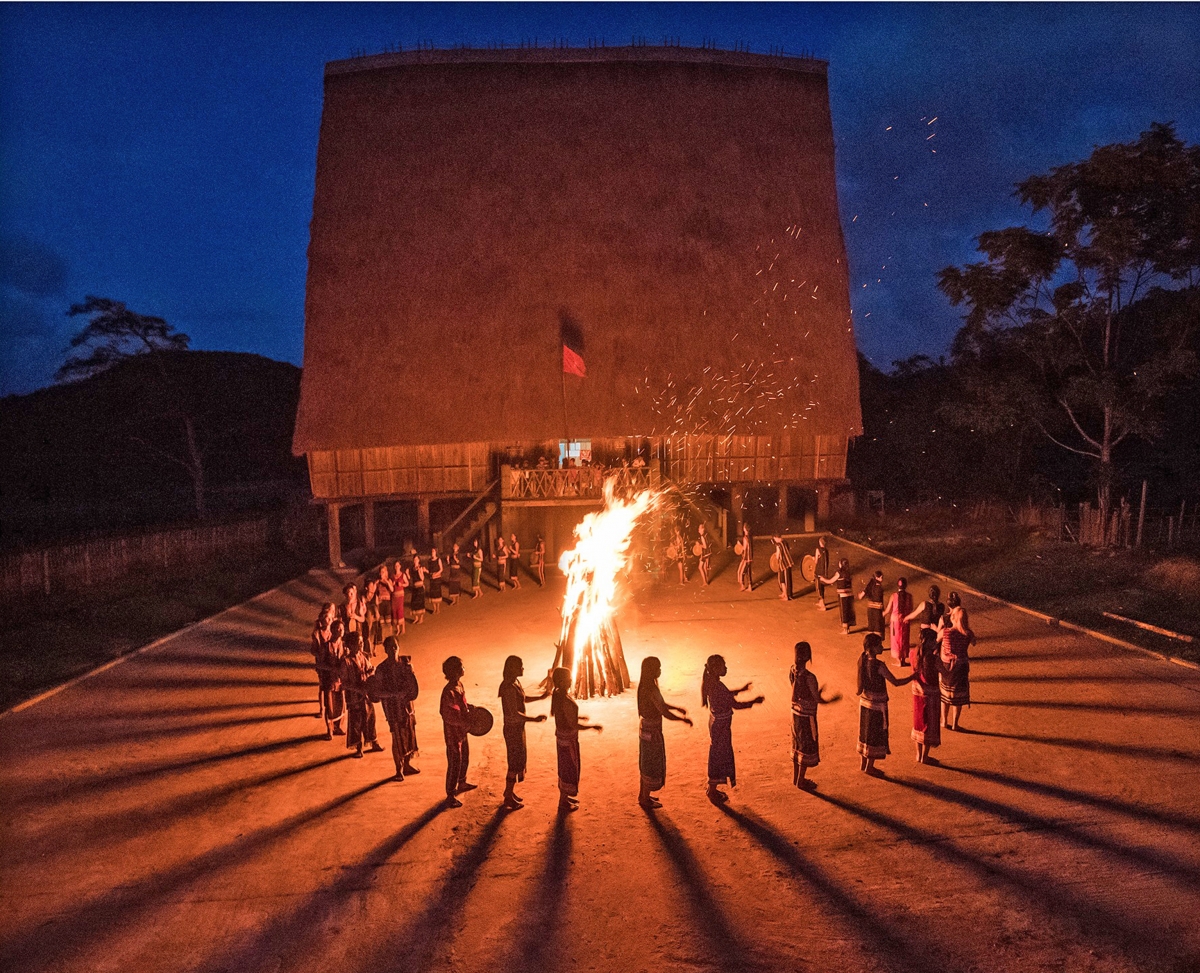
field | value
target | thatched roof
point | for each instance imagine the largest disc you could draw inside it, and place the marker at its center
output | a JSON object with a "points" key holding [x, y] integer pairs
{"points": [[678, 205]]}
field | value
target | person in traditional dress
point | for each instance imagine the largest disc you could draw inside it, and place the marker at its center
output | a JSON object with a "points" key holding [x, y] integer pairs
{"points": [[821, 556], [873, 677], [352, 611], [501, 563], [371, 627], [476, 569], [356, 669], [567, 723], [845, 589], [514, 560], [538, 561], [873, 593], [705, 544], [318, 645], [927, 697], [397, 690], [955, 635], [384, 598], [899, 607], [806, 694], [330, 667], [783, 557], [399, 588], [652, 748], [418, 574], [512, 701], [455, 720], [680, 548], [433, 584], [746, 567], [721, 702], [453, 575], [929, 613]]}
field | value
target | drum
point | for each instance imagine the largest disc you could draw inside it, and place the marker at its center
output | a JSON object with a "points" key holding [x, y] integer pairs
{"points": [[697, 549], [672, 553], [737, 548], [808, 567], [775, 561], [479, 721], [374, 688]]}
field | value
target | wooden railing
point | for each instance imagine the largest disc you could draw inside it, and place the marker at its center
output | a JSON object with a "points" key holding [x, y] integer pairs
{"points": [[582, 483]]}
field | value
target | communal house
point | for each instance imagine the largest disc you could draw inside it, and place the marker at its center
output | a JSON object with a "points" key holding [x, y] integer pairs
{"points": [[521, 260]]}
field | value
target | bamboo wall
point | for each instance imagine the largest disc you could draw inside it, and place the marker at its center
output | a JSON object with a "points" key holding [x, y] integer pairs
{"points": [[400, 470]]}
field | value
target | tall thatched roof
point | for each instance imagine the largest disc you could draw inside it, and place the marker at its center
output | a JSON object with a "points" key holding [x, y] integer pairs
{"points": [[678, 205]]}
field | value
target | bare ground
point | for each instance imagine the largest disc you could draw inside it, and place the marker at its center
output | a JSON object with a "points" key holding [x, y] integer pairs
{"points": [[180, 812]]}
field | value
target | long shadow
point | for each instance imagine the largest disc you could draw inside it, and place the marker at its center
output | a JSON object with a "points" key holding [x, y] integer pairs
{"points": [[900, 952], [286, 940], [187, 682], [534, 950], [118, 780], [103, 730], [413, 951], [1091, 921], [1094, 746], [709, 916], [251, 658], [71, 933], [1080, 797], [1091, 707], [167, 711], [129, 823], [1141, 858]]}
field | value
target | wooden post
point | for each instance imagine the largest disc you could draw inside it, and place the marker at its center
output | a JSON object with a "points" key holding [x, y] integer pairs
{"points": [[823, 494], [810, 512], [334, 513], [1141, 516], [369, 524], [423, 521]]}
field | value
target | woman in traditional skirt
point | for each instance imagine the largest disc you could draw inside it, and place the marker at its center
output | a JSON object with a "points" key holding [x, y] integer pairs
{"points": [[416, 584], [433, 585], [845, 585], [899, 607], [356, 669], [956, 638], [453, 574], [927, 698], [476, 569], [680, 549], [567, 724], [746, 567], [538, 561], [330, 668], [352, 611], [399, 587], [873, 677], [320, 650], [398, 688], [705, 544], [806, 694], [513, 700], [514, 560], [501, 563], [652, 749], [384, 595], [372, 631], [929, 613], [873, 593], [721, 702]]}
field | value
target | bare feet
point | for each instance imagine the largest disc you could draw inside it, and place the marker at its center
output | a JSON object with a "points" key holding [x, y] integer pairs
{"points": [[376, 748], [410, 769], [464, 787], [453, 802]]}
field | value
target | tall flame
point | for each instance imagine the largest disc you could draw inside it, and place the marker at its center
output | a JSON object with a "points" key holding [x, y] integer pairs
{"points": [[589, 644]]}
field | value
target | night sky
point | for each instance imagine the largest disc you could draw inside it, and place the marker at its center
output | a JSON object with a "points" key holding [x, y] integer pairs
{"points": [[164, 155]]}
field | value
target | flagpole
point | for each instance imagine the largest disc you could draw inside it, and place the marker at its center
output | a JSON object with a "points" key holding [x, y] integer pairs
{"points": [[566, 433]]}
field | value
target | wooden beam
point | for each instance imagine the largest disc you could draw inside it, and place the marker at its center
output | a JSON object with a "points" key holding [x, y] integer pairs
{"points": [[333, 512]]}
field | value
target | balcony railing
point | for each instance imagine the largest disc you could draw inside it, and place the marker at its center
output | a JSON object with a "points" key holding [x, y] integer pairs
{"points": [[582, 483]]}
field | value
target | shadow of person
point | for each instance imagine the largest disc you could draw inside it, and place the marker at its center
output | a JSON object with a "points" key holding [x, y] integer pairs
{"points": [[541, 914]]}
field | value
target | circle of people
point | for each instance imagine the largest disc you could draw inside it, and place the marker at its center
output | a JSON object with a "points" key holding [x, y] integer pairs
{"points": [[350, 684]]}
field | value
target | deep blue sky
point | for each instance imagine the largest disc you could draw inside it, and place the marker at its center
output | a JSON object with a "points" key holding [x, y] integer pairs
{"points": [[164, 155]]}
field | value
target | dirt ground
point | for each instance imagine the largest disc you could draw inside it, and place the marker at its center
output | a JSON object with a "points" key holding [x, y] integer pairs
{"points": [[181, 811]]}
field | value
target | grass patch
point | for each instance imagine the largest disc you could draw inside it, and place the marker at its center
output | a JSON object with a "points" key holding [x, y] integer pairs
{"points": [[1070, 582], [47, 641]]}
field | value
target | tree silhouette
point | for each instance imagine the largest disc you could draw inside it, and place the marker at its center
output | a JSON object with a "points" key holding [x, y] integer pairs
{"points": [[1081, 330], [115, 334]]}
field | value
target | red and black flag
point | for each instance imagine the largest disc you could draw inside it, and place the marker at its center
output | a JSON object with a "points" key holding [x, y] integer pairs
{"points": [[572, 346]]}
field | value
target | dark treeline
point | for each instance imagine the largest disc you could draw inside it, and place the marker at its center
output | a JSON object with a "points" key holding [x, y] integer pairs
{"points": [[101, 454]]}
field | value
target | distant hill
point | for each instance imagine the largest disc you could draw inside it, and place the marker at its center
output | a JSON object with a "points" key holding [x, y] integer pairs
{"points": [[93, 455]]}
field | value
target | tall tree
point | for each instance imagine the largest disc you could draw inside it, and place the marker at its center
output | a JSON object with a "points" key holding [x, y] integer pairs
{"points": [[1080, 330], [114, 334]]}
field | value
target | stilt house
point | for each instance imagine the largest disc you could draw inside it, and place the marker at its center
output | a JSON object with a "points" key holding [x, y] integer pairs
{"points": [[489, 223]]}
